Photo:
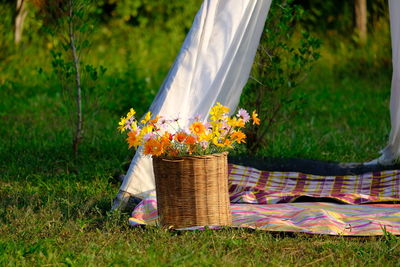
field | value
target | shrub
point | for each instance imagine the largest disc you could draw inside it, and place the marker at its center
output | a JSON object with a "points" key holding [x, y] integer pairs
{"points": [[283, 60]]}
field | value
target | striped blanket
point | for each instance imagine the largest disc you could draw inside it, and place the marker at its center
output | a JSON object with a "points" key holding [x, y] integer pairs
{"points": [[249, 185], [264, 200]]}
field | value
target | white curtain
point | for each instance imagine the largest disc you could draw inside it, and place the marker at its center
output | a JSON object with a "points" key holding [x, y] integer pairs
{"points": [[213, 65], [392, 151]]}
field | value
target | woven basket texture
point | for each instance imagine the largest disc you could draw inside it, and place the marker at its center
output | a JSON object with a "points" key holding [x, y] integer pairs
{"points": [[192, 191]]}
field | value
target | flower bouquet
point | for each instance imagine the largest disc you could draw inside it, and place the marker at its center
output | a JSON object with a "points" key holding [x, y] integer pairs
{"points": [[190, 163]]}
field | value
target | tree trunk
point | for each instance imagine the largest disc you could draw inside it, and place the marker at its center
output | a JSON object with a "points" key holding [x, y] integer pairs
{"points": [[360, 7], [20, 15], [79, 120]]}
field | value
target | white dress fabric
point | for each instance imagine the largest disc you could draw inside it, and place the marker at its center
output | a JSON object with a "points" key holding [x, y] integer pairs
{"points": [[213, 65], [391, 152]]}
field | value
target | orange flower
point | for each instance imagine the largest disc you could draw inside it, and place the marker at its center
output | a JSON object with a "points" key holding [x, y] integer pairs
{"points": [[255, 118], [155, 120], [234, 122], [180, 137], [153, 147], [238, 137], [166, 140], [133, 139], [227, 142], [148, 149], [190, 140], [197, 128], [153, 123], [192, 149], [172, 152]]}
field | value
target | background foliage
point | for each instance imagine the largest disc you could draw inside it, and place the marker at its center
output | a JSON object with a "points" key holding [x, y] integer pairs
{"points": [[137, 41]]}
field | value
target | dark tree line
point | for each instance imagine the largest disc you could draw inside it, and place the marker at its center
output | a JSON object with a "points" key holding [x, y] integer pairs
{"points": [[342, 14]]}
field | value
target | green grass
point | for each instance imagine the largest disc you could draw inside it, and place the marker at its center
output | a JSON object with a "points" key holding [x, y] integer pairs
{"points": [[54, 209], [344, 118]]}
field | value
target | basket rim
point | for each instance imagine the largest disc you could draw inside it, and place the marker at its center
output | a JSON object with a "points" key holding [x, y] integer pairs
{"points": [[193, 157]]}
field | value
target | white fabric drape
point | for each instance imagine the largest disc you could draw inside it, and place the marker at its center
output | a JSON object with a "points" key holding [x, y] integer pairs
{"points": [[213, 66], [392, 151]]}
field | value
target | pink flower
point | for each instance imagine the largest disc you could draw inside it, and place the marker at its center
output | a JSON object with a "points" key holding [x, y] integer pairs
{"points": [[204, 144], [243, 114], [186, 131], [163, 123], [149, 136], [195, 118], [225, 128], [175, 119], [208, 126]]}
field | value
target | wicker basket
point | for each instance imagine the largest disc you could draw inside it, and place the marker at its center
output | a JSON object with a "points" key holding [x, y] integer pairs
{"points": [[193, 191]]}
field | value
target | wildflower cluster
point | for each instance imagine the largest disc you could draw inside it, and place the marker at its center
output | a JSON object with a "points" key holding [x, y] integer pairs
{"points": [[165, 137]]}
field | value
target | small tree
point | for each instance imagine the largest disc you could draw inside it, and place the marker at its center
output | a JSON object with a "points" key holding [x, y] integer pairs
{"points": [[19, 18], [70, 22], [360, 14], [283, 60]]}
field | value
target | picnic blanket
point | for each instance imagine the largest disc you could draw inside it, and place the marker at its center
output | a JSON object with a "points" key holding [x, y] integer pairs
{"points": [[264, 200], [249, 185]]}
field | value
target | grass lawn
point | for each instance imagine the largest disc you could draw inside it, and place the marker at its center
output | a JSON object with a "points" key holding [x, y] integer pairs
{"points": [[54, 210]]}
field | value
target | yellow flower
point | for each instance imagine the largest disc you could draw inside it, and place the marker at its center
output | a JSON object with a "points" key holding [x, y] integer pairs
{"points": [[122, 124], [217, 143], [197, 128], [216, 133], [255, 118], [146, 118], [238, 137], [133, 139], [224, 109], [146, 129], [131, 113], [121, 129], [134, 126], [215, 125], [206, 137], [218, 112]]}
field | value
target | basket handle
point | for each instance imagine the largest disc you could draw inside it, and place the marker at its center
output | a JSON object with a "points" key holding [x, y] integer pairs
{"points": [[172, 160]]}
